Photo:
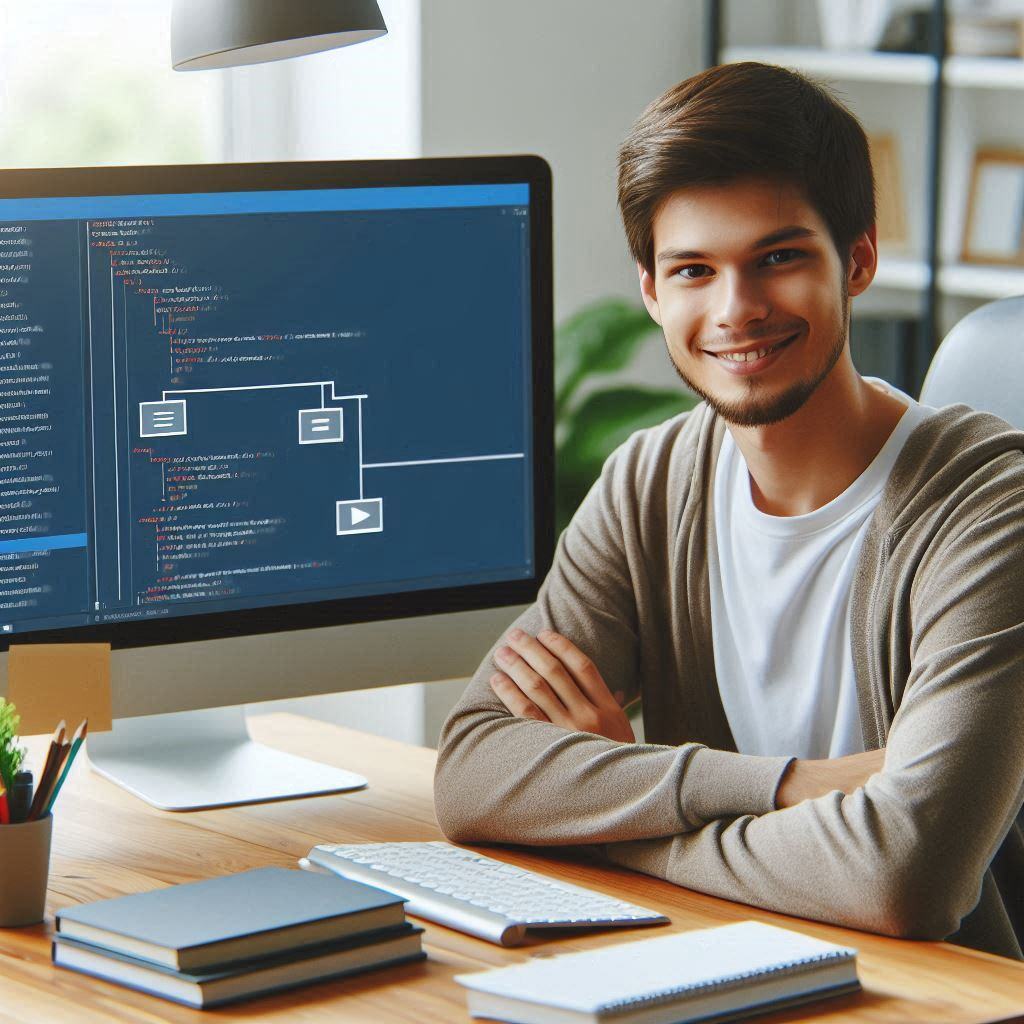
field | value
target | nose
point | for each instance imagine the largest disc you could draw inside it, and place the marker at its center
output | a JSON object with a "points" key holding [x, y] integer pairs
{"points": [[740, 301]]}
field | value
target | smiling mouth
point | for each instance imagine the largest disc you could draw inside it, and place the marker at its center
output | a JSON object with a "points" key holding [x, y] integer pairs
{"points": [[755, 354]]}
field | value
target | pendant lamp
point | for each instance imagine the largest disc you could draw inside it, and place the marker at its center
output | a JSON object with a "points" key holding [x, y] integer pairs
{"points": [[227, 33]]}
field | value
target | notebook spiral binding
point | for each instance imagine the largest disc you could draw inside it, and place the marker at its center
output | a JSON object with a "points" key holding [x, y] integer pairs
{"points": [[729, 981]]}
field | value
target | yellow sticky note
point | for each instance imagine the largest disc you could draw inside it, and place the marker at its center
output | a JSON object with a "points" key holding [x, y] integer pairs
{"points": [[48, 682]]}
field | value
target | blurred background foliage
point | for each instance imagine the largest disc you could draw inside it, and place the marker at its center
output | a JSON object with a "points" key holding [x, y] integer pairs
{"points": [[591, 421]]}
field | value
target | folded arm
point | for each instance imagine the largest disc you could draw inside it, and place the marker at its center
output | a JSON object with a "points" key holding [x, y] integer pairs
{"points": [[906, 854], [504, 778]]}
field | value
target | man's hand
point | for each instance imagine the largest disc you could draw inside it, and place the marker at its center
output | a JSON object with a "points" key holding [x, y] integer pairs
{"points": [[806, 780], [549, 678]]}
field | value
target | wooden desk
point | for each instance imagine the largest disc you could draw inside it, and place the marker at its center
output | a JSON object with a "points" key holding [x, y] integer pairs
{"points": [[105, 843]]}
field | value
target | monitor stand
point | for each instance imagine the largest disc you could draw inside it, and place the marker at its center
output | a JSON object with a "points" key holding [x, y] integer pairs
{"points": [[192, 760]]}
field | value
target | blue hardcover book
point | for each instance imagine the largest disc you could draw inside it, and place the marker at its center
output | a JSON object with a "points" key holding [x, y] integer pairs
{"points": [[235, 917], [216, 986]]}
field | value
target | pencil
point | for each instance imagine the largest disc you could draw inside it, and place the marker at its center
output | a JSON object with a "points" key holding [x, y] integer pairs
{"points": [[76, 741], [54, 756]]}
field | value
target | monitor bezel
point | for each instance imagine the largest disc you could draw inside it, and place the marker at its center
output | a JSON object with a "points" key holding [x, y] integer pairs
{"points": [[239, 177]]}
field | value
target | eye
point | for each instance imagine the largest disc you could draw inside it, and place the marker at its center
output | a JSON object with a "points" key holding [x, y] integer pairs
{"points": [[682, 271], [776, 258], [789, 254]]}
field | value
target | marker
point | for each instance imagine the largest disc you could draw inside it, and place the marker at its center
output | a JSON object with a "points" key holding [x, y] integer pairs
{"points": [[20, 797]]}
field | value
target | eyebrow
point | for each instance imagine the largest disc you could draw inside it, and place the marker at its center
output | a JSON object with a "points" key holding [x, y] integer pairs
{"points": [[782, 235]]}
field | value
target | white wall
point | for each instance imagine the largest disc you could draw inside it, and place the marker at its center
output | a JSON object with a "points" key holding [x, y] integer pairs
{"points": [[359, 102]]}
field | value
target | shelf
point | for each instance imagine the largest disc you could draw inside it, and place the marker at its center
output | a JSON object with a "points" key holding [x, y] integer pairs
{"points": [[984, 72], [955, 279], [913, 68], [961, 279], [903, 273]]}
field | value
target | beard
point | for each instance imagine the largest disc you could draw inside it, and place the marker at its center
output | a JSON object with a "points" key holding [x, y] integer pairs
{"points": [[760, 408]]}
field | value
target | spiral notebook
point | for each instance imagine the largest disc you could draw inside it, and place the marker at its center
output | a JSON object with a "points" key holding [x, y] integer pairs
{"points": [[710, 975]]}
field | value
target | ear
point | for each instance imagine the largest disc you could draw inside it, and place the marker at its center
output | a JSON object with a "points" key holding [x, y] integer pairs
{"points": [[648, 293], [860, 271]]}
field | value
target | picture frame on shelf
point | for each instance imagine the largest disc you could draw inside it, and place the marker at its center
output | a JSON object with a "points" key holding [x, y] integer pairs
{"points": [[994, 226], [890, 215]]}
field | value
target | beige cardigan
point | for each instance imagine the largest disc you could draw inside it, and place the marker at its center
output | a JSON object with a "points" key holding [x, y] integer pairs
{"points": [[931, 847]]}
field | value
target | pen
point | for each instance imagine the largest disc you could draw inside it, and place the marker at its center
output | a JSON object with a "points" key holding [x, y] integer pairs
{"points": [[54, 756], [76, 742], [20, 797]]}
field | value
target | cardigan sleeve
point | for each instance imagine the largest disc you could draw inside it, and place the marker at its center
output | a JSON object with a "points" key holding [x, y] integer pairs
{"points": [[506, 779], [906, 854]]}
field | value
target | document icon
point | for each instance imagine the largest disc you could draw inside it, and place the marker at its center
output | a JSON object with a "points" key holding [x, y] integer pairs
{"points": [[162, 419], [321, 426]]}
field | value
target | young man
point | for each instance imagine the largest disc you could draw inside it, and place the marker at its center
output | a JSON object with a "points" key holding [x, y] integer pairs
{"points": [[811, 580]]}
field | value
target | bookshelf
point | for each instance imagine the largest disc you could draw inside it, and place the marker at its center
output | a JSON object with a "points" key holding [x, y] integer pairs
{"points": [[940, 109]]}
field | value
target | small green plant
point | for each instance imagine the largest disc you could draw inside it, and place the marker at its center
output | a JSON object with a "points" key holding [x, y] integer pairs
{"points": [[11, 755], [600, 339]]}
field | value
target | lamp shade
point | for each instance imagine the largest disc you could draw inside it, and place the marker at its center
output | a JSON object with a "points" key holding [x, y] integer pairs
{"points": [[226, 33]]}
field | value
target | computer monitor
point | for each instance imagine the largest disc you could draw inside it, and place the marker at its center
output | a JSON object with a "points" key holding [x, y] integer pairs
{"points": [[271, 430]]}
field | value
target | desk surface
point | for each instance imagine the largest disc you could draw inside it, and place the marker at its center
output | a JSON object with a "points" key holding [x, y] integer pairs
{"points": [[106, 843]]}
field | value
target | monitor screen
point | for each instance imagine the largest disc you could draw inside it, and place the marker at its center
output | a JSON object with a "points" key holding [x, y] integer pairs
{"points": [[269, 396]]}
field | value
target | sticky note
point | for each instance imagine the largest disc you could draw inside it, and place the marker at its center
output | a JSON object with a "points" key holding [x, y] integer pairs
{"points": [[48, 682]]}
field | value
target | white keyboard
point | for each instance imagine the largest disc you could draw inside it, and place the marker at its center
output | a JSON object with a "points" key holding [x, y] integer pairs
{"points": [[475, 894]]}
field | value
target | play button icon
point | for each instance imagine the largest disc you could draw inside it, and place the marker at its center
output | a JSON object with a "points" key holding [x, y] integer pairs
{"points": [[363, 515]]}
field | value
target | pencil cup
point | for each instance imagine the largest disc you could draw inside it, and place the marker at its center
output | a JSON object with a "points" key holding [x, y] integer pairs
{"points": [[24, 871]]}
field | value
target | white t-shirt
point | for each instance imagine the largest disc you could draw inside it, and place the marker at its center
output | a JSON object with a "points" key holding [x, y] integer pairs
{"points": [[780, 603]]}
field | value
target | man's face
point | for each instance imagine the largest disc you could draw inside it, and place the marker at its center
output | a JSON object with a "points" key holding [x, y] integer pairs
{"points": [[741, 268]]}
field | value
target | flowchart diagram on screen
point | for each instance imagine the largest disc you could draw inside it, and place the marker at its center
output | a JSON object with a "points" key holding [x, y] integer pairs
{"points": [[322, 424]]}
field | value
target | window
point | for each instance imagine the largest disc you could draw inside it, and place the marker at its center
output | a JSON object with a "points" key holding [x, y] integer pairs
{"points": [[87, 82]]}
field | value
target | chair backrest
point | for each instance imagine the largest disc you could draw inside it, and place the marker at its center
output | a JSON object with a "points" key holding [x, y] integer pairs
{"points": [[981, 363]]}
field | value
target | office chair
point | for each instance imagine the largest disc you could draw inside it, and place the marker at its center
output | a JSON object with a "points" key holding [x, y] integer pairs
{"points": [[981, 362]]}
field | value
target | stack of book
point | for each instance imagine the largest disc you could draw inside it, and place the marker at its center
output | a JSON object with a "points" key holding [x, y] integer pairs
{"points": [[212, 942]]}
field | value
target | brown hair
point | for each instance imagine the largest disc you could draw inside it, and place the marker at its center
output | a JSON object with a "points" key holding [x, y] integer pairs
{"points": [[747, 120]]}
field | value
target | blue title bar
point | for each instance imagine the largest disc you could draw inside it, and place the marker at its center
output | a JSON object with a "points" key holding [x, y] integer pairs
{"points": [[199, 204]]}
